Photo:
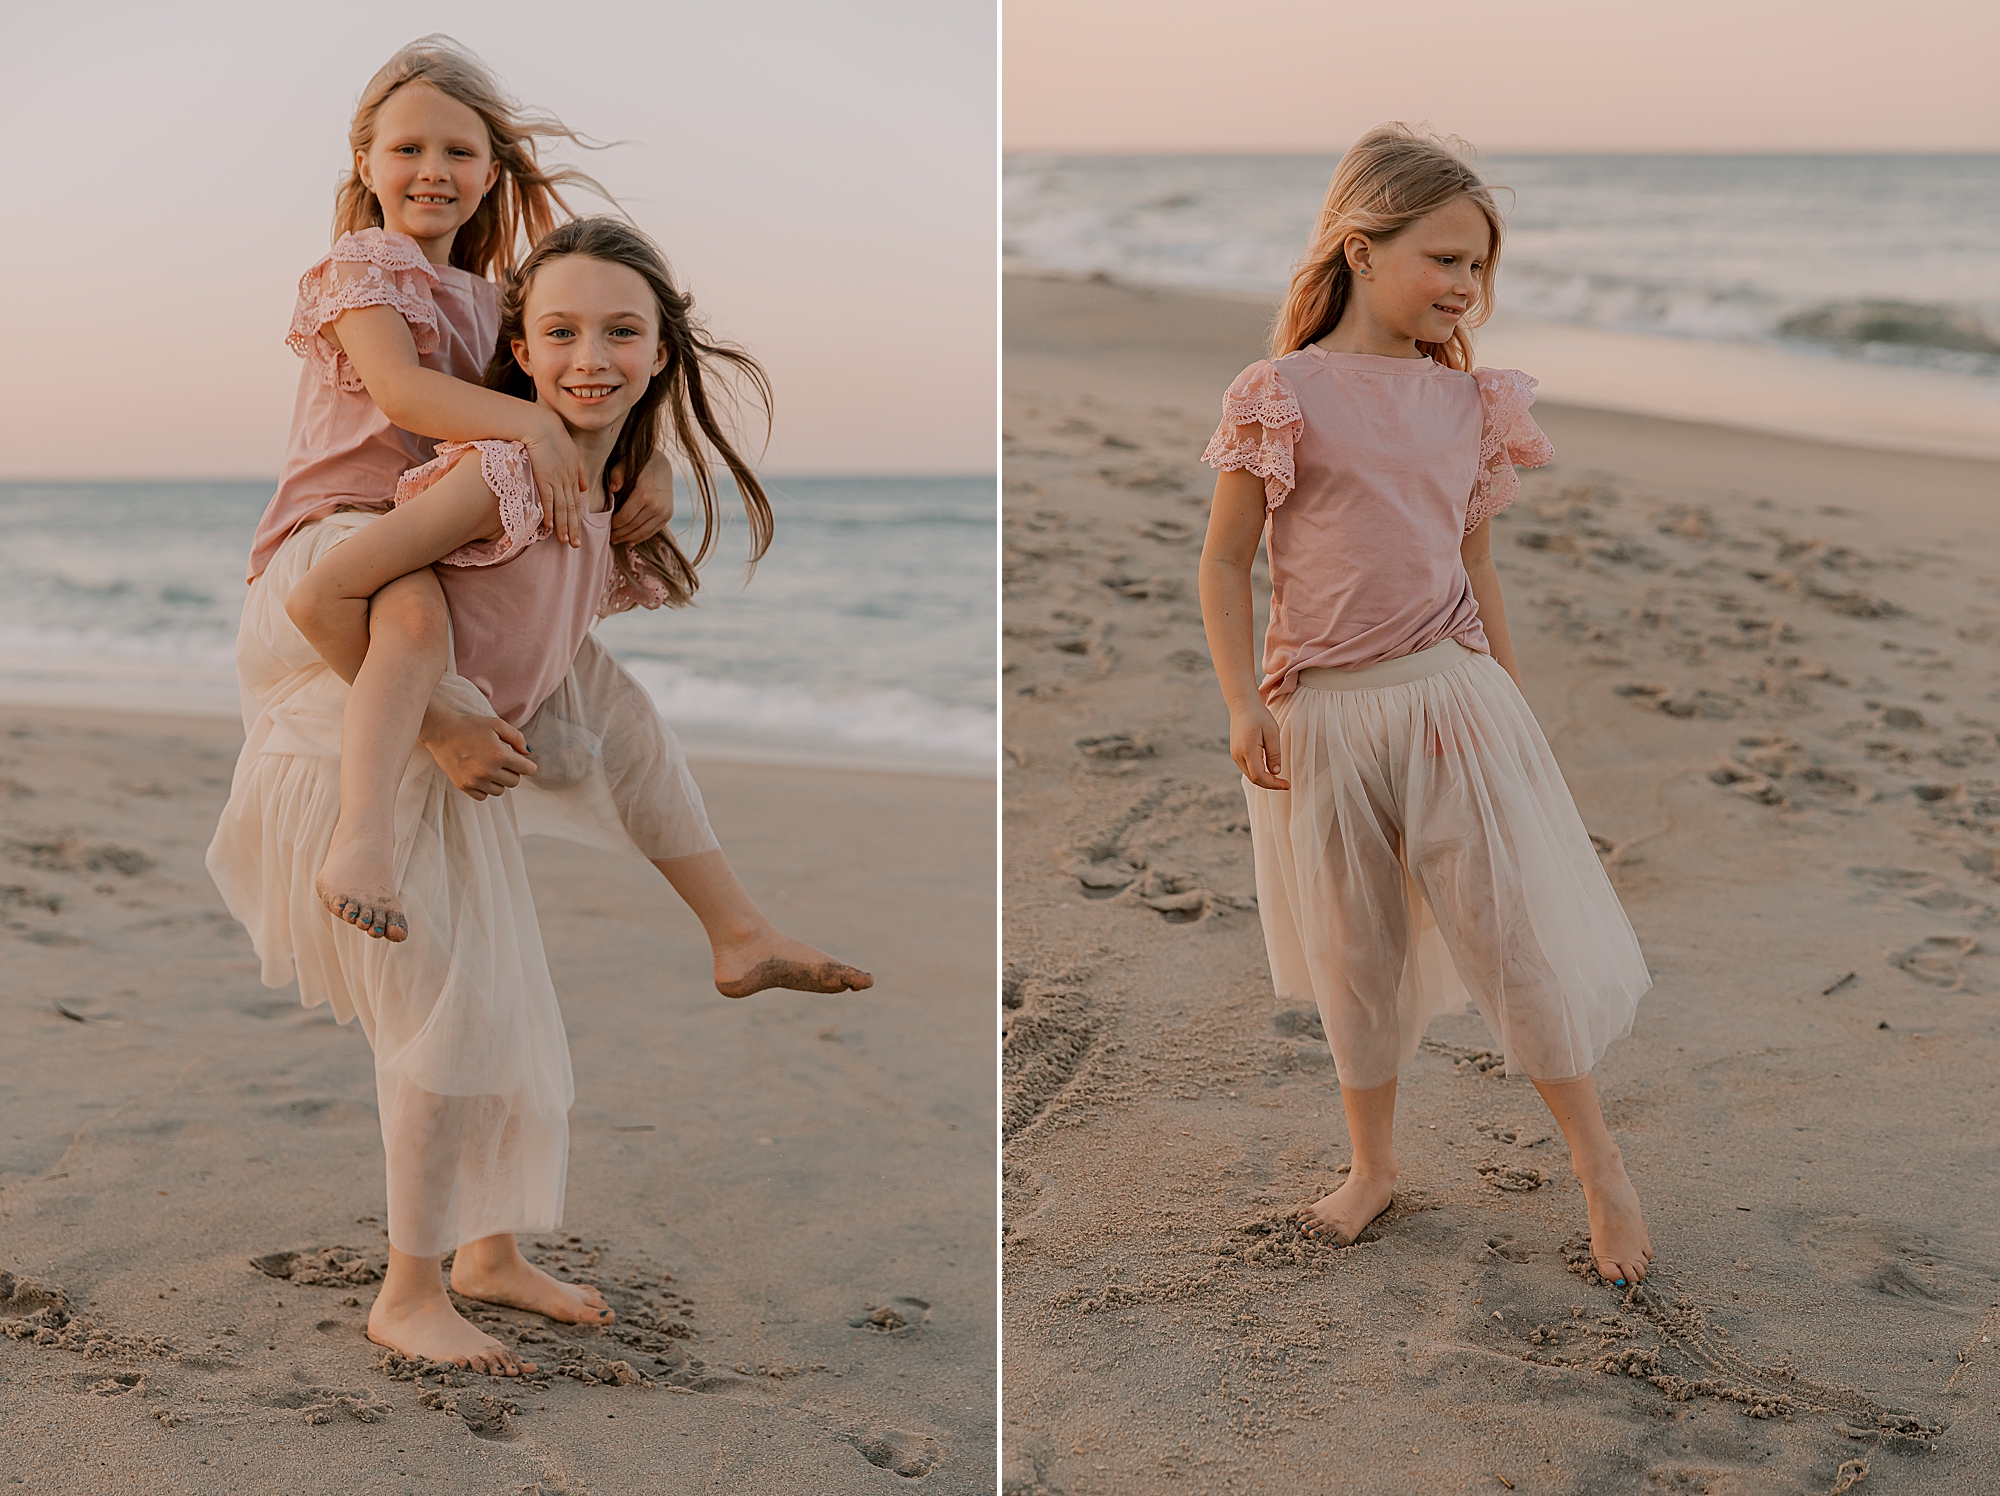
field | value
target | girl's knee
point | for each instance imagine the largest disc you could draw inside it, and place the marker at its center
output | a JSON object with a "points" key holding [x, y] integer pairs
{"points": [[412, 618]]}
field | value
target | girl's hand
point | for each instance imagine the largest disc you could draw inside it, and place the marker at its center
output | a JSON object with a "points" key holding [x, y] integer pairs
{"points": [[1253, 743], [648, 507], [561, 479], [481, 755]]}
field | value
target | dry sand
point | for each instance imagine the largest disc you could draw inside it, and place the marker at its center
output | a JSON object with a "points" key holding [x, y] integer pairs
{"points": [[1768, 669], [752, 1183]]}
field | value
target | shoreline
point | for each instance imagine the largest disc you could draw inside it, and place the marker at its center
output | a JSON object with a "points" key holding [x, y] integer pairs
{"points": [[700, 748], [1743, 387]]}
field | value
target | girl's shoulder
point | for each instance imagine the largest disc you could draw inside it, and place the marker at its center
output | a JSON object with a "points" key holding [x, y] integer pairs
{"points": [[1504, 398], [365, 267], [389, 252], [1260, 426]]}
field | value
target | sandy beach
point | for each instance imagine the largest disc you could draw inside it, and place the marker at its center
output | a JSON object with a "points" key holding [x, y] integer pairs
{"points": [[1767, 667], [788, 1200]]}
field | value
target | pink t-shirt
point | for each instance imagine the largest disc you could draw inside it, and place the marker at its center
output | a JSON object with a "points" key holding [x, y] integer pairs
{"points": [[343, 452], [1375, 469], [519, 610]]}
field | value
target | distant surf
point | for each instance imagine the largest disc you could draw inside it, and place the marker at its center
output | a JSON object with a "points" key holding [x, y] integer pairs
{"points": [[1892, 258], [865, 638]]}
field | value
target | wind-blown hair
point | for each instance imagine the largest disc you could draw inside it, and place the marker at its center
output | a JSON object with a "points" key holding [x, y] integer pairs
{"points": [[676, 414], [526, 200], [1389, 178]]}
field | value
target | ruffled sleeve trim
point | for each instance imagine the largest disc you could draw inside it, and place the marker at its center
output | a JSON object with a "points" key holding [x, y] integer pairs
{"points": [[1260, 426], [369, 267], [1508, 438], [631, 585], [504, 466]]}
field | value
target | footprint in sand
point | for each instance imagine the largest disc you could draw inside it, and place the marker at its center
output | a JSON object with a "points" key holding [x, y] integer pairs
{"points": [[1115, 747], [1047, 1035], [899, 1451], [899, 1316], [1936, 960]]}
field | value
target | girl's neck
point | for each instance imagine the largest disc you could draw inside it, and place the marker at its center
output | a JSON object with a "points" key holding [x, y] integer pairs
{"points": [[595, 447], [1359, 331], [437, 250]]}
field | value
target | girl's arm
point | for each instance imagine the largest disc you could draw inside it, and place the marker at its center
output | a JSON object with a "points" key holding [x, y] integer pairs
{"points": [[1477, 553], [330, 602], [378, 344], [649, 506], [1235, 529]]}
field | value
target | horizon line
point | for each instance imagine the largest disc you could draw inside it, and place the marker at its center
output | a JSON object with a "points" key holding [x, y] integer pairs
{"points": [[1329, 150]]}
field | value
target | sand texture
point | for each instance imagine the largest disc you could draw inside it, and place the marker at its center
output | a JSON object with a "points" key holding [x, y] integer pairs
{"points": [[787, 1199], [1768, 669]]}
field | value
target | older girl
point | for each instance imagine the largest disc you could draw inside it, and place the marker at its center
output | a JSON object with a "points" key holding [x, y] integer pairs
{"points": [[1414, 839]]}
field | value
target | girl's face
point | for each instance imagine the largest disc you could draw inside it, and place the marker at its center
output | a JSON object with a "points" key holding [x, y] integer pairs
{"points": [[1421, 282], [430, 164], [590, 341]]}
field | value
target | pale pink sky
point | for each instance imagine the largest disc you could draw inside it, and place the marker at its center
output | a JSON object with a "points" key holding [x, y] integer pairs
{"points": [[822, 177], [1554, 75]]}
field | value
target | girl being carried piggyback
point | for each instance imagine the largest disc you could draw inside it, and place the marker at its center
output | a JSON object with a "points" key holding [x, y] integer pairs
{"points": [[1414, 839]]}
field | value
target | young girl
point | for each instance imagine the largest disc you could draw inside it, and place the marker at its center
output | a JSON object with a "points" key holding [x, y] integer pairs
{"points": [[1413, 836]]}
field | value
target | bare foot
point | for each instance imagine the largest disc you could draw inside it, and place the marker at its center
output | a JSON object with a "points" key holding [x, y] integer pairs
{"points": [[1618, 1240], [519, 1284], [431, 1330], [775, 960], [358, 885], [1349, 1210]]}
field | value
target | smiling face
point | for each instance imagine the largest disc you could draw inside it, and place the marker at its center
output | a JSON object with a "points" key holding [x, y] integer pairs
{"points": [[1418, 285], [430, 163], [591, 342]]}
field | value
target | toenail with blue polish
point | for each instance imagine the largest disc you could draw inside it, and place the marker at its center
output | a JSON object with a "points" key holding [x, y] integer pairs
{"points": [[1619, 1284]]}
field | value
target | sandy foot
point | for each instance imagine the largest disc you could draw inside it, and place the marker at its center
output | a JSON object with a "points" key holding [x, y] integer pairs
{"points": [[432, 1330], [1618, 1240], [361, 889], [780, 961], [1347, 1212], [519, 1284]]}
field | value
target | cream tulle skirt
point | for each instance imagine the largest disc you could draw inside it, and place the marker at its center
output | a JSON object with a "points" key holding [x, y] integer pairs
{"points": [[471, 1062], [1427, 851]]}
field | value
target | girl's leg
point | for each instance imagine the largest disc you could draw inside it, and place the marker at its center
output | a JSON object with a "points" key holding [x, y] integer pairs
{"points": [[1618, 1238], [1371, 1178], [493, 1271], [750, 952], [414, 1315], [409, 644]]}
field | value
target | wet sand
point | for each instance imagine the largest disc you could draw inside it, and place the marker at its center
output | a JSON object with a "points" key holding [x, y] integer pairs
{"points": [[1768, 668], [787, 1199]]}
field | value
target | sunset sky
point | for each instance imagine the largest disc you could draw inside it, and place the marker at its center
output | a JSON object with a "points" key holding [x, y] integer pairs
{"points": [[1532, 75], [822, 176]]}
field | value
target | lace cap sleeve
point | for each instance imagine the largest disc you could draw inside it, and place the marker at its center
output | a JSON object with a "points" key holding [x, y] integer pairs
{"points": [[369, 267], [631, 585], [1508, 438], [504, 466], [1260, 425]]}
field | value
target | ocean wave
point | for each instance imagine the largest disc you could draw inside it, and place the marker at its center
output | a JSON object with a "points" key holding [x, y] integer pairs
{"points": [[1900, 324], [787, 716]]}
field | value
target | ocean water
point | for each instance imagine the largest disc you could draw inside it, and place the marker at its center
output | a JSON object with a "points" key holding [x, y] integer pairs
{"points": [[1889, 259], [865, 636]]}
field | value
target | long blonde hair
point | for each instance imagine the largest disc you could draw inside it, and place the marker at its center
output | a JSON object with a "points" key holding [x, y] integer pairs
{"points": [[1389, 178], [526, 198]]}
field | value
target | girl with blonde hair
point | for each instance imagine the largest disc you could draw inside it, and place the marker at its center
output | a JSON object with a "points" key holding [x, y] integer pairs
{"points": [[1414, 840], [399, 328]]}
